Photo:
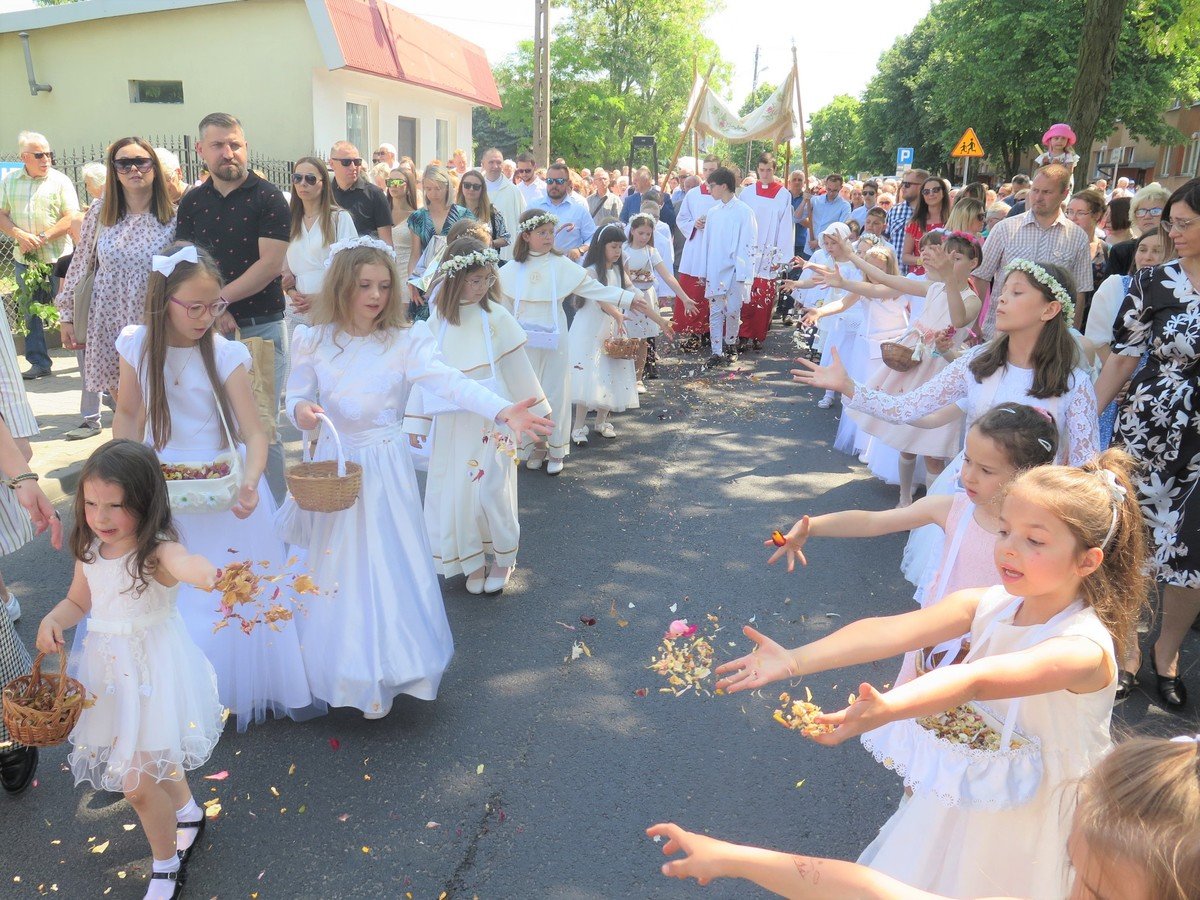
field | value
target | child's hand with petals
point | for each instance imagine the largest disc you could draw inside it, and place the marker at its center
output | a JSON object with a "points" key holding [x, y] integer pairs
{"points": [[870, 710], [793, 546]]}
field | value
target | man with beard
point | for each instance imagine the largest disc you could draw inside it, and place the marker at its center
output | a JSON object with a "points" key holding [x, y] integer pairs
{"points": [[243, 221], [575, 225], [526, 181]]}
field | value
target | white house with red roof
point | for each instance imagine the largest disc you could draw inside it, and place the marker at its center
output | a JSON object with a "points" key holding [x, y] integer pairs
{"points": [[300, 74]]}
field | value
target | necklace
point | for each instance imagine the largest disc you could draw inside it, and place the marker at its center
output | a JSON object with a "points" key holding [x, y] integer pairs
{"points": [[182, 368]]}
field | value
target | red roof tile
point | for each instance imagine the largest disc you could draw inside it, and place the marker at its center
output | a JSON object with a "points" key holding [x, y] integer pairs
{"points": [[380, 39]]}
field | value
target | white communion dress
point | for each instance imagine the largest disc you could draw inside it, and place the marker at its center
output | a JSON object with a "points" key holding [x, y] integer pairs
{"points": [[385, 632], [599, 380]]}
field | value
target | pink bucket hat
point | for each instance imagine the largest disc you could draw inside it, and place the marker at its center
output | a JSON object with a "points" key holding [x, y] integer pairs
{"points": [[1060, 130]]}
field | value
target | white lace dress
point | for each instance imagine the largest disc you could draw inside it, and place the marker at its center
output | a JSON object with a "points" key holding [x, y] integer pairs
{"points": [[600, 381], [1074, 413], [157, 712], [385, 632], [1019, 851]]}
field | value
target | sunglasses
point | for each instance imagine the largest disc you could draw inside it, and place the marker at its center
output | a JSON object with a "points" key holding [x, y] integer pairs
{"points": [[868, 193], [197, 310], [524, 171], [129, 163], [310, 180], [556, 181], [927, 192], [910, 183], [396, 182], [42, 155], [472, 186], [356, 161]]}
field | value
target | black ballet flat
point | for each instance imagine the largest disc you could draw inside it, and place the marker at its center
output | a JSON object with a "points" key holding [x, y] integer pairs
{"points": [[185, 855], [1125, 683], [1172, 691], [176, 876], [18, 765]]}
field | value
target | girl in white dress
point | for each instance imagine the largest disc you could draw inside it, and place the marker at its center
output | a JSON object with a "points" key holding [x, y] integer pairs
{"points": [[471, 494], [644, 265], [1034, 361], [185, 391], [1042, 660], [156, 714], [385, 632], [599, 381], [534, 285]]}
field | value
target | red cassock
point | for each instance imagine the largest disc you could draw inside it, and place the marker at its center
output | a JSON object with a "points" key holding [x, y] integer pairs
{"points": [[683, 323], [772, 207], [756, 315]]}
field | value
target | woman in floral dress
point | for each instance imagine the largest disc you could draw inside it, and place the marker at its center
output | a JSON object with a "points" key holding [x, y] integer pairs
{"points": [[134, 221], [1159, 422]]}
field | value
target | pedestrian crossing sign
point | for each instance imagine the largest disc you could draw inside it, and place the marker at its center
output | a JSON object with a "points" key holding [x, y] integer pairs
{"points": [[968, 145]]}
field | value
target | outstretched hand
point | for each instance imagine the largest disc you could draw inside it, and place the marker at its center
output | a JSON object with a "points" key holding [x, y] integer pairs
{"points": [[832, 377], [703, 859], [868, 711], [793, 546], [767, 662], [827, 275], [522, 422]]}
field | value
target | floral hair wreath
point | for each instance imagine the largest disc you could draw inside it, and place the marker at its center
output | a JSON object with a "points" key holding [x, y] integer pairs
{"points": [[456, 264], [353, 243], [1044, 278], [535, 222]]}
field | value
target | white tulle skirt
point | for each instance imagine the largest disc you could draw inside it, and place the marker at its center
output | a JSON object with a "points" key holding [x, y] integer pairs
{"points": [[384, 631], [923, 551], [160, 728]]}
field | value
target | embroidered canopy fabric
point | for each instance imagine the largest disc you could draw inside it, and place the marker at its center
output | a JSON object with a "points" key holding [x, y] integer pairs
{"points": [[774, 121]]}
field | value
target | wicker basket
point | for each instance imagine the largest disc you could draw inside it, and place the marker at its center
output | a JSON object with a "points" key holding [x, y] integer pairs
{"points": [[898, 357], [329, 486], [40, 710], [621, 347]]}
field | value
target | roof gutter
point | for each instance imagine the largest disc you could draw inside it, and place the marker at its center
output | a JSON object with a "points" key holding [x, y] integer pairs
{"points": [[35, 87]]}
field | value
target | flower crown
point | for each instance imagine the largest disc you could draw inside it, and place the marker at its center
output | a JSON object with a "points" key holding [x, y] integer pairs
{"points": [[352, 243], [456, 264], [1044, 278], [537, 221]]}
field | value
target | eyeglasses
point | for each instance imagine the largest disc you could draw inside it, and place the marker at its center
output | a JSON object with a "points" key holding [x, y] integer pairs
{"points": [[1178, 226], [868, 193], [348, 162], [471, 186], [556, 181], [524, 171], [310, 180], [197, 310], [396, 182], [910, 184], [127, 164], [928, 192], [481, 281], [41, 155], [1147, 211]]}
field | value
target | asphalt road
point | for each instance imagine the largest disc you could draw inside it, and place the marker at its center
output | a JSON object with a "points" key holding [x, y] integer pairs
{"points": [[534, 774]]}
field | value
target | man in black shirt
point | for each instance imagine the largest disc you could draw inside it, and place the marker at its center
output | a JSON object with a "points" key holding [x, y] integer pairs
{"points": [[243, 221], [367, 204]]}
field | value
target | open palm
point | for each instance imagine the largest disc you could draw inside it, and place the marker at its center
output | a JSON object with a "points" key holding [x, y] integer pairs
{"points": [[832, 377]]}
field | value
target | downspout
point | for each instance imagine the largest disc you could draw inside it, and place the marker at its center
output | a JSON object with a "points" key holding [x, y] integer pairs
{"points": [[34, 87]]}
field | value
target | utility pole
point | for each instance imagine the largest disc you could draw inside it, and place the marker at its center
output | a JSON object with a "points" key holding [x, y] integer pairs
{"points": [[753, 88], [541, 82]]}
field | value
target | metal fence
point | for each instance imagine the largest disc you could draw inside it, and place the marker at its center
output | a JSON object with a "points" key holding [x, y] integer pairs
{"points": [[71, 162]]}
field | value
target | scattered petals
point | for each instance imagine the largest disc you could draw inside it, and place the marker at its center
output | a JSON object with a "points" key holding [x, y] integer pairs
{"points": [[335, 744], [219, 776], [100, 848], [479, 769], [433, 825]]}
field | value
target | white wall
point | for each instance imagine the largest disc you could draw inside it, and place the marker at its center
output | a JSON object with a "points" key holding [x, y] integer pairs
{"points": [[387, 101]]}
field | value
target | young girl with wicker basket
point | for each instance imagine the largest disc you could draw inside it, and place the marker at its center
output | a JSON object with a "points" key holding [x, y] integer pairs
{"points": [[156, 713], [534, 285], [950, 307], [471, 493], [185, 390], [385, 633], [991, 817], [644, 265]]}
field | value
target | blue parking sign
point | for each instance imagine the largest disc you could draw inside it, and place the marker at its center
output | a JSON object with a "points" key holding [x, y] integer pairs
{"points": [[904, 156]]}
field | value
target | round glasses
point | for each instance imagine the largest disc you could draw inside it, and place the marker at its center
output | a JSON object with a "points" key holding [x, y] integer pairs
{"points": [[197, 310]]}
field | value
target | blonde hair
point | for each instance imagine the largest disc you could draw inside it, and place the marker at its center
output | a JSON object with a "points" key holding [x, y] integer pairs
{"points": [[448, 289], [966, 212], [1141, 805], [333, 306], [883, 252], [1084, 501]]}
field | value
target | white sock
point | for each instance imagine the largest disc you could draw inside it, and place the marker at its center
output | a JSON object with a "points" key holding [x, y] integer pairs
{"points": [[162, 888], [189, 812]]}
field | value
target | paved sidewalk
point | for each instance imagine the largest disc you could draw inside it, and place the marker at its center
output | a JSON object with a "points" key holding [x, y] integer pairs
{"points": [[55, 402]]}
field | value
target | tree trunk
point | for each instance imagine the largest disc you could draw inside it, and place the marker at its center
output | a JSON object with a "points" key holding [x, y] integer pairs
{"points": [[1097, 63]]}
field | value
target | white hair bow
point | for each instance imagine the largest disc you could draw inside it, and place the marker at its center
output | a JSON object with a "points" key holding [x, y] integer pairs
{"points": [[1186, 739], [165, 265]]}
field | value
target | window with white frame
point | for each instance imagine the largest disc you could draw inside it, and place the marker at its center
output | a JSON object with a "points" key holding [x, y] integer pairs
{"points": [[1191, 162], [356, 127], [442, 140]]}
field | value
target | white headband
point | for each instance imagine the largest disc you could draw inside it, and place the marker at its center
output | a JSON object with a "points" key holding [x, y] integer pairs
{"points": [[1117, 492], [165, 265]]}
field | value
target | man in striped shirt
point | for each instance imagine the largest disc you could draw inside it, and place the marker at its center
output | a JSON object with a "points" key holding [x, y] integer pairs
{"points": [[1043, 235], [902, 212]]}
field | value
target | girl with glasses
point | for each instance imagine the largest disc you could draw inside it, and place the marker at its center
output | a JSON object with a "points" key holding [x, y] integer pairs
{"points": [[473, 195], [472, 521], [932, 211], [186, 392]]}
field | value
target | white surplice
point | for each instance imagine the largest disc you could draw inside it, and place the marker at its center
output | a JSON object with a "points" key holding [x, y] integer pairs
{"points": [[510, 203], [772, 207], [696, 204]]}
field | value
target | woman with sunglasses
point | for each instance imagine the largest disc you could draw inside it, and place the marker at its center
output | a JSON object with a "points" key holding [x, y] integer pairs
{"points": [[402, 195], [472, 194], [933, 209], [121, 232], [432, 221], [317, 223]]}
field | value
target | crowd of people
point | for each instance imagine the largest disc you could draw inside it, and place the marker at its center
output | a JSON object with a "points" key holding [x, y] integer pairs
{"points": [[1029, 353]]}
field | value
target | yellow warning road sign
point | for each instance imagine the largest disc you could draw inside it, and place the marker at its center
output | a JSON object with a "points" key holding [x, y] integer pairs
{"points": [[968, 145]]}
